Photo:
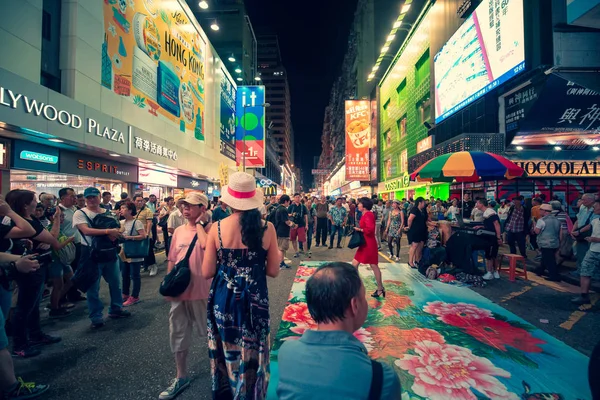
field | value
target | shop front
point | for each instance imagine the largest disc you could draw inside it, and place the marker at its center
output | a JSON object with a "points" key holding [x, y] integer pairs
{"points": [[187, 184], [159, 183], [355, 190], [41, 168]]}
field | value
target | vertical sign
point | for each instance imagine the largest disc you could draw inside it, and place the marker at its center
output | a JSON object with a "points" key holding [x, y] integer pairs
{"points": [[358, 129], [228, 93], [250, 126], [373, 146]]}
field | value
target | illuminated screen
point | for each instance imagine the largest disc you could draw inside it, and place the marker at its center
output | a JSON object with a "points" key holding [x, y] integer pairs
{"points": [[487, 50]]}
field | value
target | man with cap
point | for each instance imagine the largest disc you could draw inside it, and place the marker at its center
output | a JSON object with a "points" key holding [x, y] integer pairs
{"points": [[109, 270], [188, 310], [547, 229]]}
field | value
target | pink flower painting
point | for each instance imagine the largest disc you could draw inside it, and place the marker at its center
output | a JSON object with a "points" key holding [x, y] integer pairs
{"points": [[457, 314]]}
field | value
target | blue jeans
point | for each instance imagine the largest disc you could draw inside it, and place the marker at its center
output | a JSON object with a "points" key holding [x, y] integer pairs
{"points": [[340, 232], [131, 273], [5, 300], [309, 235], [112, 275]]}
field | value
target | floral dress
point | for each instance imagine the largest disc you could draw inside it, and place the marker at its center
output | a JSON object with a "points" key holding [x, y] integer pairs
{"points": [[394, 230], [238, 324]]}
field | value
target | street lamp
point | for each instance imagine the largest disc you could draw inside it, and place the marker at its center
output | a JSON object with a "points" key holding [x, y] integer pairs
{"points": [[265, 105]]}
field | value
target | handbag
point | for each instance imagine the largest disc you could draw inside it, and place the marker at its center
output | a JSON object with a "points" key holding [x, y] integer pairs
{"points": [[582, 235], [136, 248], [178, 279], [357, 239]]}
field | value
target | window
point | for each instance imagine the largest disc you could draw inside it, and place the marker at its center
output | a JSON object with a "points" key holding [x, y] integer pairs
{"points": [[401, 91], [401, 124], [422, 69], [388, 168], [388, 139], [424, 110], [46, 25], [385, 109], [404, 161]]}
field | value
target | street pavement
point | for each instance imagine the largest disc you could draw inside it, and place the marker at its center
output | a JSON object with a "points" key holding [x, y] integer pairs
{"points": [[131, 359]]}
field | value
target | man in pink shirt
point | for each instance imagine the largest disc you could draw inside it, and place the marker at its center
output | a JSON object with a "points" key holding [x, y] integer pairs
{"points": [[188, 311]]}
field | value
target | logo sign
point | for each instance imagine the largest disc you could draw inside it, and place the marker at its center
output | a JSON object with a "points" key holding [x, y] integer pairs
{"points": [[38, 157], [78, 164], [398, 184], [424, 144], [228, 95], [546, 168], [186, 182], [358, 134], [250, 128]]}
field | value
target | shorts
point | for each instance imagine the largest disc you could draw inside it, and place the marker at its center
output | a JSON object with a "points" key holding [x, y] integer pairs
{"points": [[299, 234], [283, 244], [590, 264], [491, 252], [183, 317], [58, 269]]}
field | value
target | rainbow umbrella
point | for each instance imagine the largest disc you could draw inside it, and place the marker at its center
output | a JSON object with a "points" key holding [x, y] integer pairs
{"points": [[467, 166]]}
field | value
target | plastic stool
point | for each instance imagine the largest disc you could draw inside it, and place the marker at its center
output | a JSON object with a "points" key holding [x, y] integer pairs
{"points": [[512, 267]]}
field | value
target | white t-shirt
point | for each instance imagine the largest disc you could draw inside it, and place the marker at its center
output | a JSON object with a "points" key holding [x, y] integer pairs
{"points": [[126, 230], [503, 213], [595, 246], [540, 224], [452, 211], [79, 218], [175, 220], [488, 212]]}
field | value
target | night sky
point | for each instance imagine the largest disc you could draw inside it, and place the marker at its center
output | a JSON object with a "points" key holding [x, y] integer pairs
{"points": [[313, 40]]}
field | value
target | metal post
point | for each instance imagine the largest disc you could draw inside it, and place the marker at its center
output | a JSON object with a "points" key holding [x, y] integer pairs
{"points": [[244, 141]]}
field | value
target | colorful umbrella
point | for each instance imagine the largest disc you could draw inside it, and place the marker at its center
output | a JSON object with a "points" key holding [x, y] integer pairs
{"points": [[467, 166]]}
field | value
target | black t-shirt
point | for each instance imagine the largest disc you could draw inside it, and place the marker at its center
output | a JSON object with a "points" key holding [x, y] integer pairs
{"points": [[488, 221], [281, 216], [300, 212], [419, 222], [467, 208], [6, 226], [39, 228]]}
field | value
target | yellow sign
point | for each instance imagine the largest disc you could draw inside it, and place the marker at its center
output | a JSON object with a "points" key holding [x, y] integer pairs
{"points": [[153, 55], [223, 174]]}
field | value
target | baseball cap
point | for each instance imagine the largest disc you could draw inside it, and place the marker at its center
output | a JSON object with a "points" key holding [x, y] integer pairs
{"points": [[194, 199], [91, 192]]}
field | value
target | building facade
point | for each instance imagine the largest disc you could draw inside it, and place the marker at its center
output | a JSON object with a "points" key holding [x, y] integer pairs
{"points": [[130, 102]]}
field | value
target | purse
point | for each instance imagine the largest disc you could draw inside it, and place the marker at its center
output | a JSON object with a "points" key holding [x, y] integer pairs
{"points": [[582, 235], [357, 239], [178, 279], [136, 248]]}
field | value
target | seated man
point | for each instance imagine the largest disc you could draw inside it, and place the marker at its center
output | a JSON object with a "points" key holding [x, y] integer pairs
{"points": [[329, 362]]}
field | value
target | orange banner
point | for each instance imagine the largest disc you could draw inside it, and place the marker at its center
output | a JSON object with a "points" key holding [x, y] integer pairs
{"points": [[358, 129]]}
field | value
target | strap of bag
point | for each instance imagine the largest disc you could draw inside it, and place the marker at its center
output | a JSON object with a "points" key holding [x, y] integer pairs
{"points": [[191, 248], [90, 223], [133, 225], [376, 381]]}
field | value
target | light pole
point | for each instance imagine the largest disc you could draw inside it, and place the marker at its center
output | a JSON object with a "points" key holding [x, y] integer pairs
{"points": [[265, 105]]}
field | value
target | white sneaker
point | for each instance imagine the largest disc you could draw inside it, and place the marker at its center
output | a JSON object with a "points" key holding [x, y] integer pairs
{"points": [[488, 276], [153, 270], [496, 275]]}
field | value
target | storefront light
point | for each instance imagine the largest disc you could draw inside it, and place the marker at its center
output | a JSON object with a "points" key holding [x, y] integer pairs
{"points": [[595, 148], [114, 155], [405, 9], [557, 148], [56, 140], [238, 70], [397, 24], [519, 148], [384, 49], [391, 37], [203, 5]]}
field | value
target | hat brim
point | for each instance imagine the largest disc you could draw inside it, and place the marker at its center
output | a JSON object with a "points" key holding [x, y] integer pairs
{"points": [[180, 202], [250, 203]]}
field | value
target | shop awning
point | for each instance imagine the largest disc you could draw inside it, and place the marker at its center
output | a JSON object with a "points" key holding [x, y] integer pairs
{"points": [[561, 110]]}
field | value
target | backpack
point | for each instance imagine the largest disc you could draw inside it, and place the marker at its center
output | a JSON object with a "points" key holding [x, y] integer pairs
{"points": [[272, 214], [103, 249], [67, 254]]}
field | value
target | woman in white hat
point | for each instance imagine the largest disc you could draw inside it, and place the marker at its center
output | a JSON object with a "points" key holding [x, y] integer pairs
{"points": [[241, 251]]}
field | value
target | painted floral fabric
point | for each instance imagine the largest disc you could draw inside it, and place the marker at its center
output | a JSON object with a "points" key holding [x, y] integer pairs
{"points": [[448, 342]]}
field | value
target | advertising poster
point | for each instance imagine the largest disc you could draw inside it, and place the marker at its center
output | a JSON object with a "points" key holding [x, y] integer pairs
{"points": [[487, 50], [373, 145], [153, 55], [250, 126], [228, 93], [358, 138]]}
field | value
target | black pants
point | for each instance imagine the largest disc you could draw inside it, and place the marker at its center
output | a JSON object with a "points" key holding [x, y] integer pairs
{"points": [[150, 259], [154, 229], [166, 240], [519, 238], [74, 293], [26, 318], [533, 241], [322, 231], [391, 242], [549, 262]]}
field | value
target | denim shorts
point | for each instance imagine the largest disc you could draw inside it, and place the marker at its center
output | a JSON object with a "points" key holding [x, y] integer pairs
{"points": [[58, 269], [590, 264]]}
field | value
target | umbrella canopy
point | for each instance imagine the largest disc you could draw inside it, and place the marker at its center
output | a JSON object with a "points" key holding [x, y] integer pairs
{"points": [[467, 166]]}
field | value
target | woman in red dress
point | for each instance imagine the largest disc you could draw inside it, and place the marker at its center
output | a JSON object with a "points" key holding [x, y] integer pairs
{"points": [[367, 253]]}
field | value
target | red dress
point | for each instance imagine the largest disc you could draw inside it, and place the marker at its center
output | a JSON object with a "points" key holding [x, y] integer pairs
{"points": [[367, 253]]}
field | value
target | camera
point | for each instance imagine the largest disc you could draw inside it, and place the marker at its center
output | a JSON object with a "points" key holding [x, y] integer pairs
{"points": [[50, 212]]}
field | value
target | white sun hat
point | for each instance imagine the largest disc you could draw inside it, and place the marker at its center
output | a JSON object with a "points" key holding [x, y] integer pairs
{"points": [[241, 193]]}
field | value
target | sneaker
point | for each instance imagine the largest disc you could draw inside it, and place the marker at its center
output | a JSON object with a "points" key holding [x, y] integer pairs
{"points": [[330, 247], [153, 270], [284, 266], [488, 276], [43, 340], [125, 297], [317, 245], [177, 386], [25, 390], [25, 352], [131, 301], [580, 300], [297, 255], [97, 325], [59, 313], [309, 254], [119, 314], [496, 275]]}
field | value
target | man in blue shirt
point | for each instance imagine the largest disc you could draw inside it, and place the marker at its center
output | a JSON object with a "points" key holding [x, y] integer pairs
{"points": [[329, 362], [220, 213]]}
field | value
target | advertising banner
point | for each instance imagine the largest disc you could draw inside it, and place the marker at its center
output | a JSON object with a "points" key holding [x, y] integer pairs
{"points": [[250, 127], [358, 128], [228, 93], [153, 55], [81, 164], [373, 146], [33, 156]]}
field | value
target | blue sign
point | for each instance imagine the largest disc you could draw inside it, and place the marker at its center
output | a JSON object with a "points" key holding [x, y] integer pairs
{"points": [[250, 126], [35, 157], [228, 95]]}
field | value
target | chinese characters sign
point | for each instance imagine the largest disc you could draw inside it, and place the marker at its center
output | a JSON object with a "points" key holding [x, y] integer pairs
{"points": [[358, 129], [153, 55], [227, 117], [250, 127], [153, 148]]}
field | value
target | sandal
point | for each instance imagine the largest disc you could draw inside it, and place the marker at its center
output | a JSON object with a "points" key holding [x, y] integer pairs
{"points": [[378, 293]]}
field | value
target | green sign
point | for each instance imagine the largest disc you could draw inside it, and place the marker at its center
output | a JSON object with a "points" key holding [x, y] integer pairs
{"points": [[398, 184], [38, 157]]}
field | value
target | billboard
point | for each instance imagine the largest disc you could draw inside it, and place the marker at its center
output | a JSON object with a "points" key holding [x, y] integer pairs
{"points": [[153, 55], [250, 126], [358, 136], [228, 93], [487, 50]]}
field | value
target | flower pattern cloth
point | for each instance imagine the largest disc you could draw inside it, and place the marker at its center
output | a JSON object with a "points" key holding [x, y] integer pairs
{"points": [[238, 325]]}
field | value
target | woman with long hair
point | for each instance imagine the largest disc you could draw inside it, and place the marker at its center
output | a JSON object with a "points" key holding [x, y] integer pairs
{"points": [[241, 251], [417, 232], [27, 331], [367, 253], [393, 229]]}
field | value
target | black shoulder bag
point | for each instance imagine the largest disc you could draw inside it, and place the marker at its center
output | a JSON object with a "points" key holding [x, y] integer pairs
{"points": [[582, 235], [357, 239], [376, 381], [178, 279]]}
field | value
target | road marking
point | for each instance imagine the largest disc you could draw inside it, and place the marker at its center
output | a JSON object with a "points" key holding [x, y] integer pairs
{"points": [[577, 315], [512, 295], [563, 287], [386, 257]]}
